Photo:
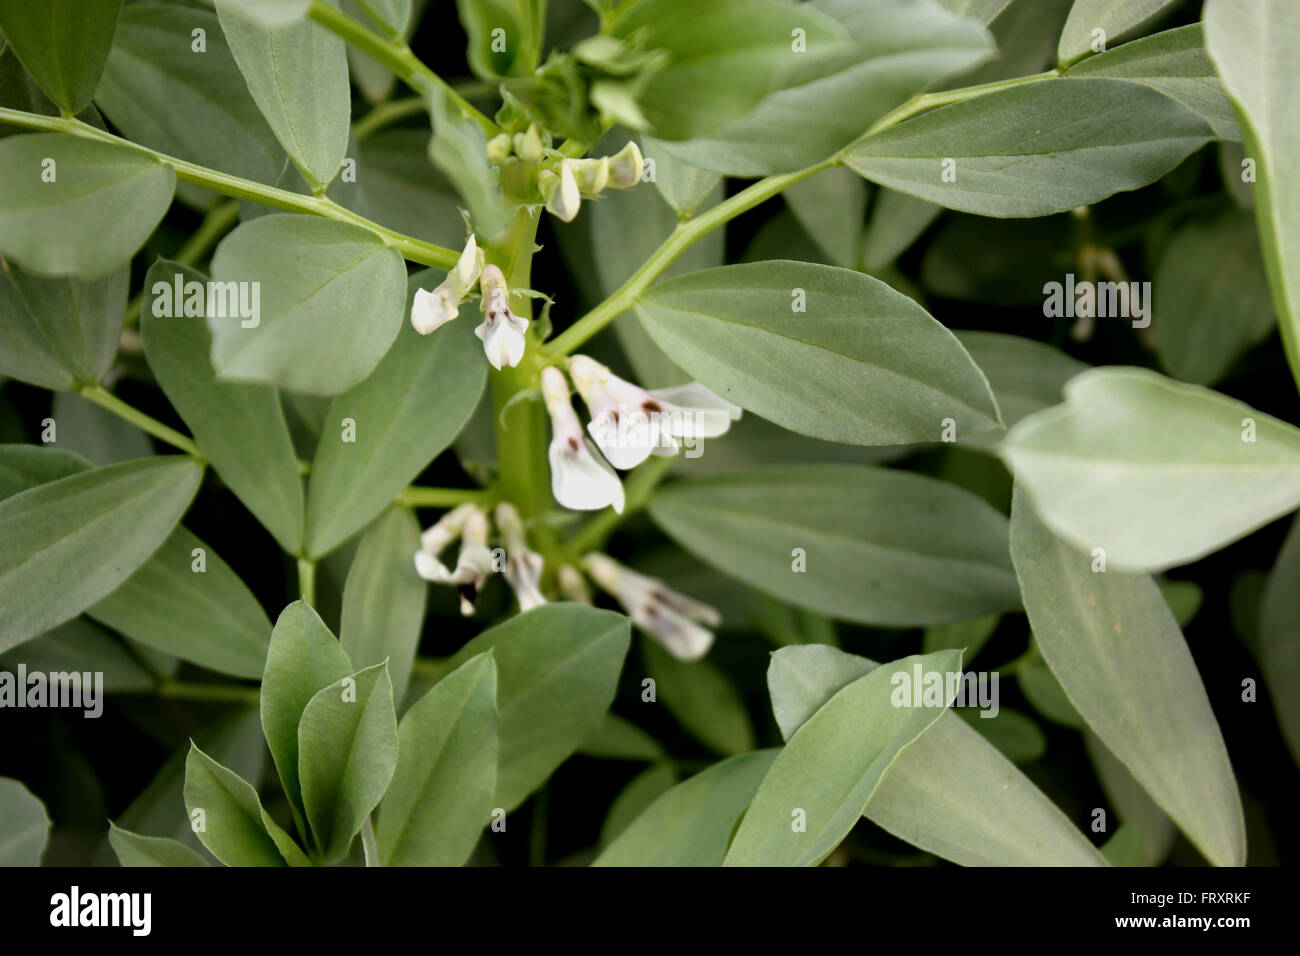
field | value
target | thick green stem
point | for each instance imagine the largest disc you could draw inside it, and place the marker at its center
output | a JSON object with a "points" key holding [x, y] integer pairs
{"points": [[397, 56], [416, 250], [183, 690], [140, 420], [415, 496], [307, 580], [928, 101]]}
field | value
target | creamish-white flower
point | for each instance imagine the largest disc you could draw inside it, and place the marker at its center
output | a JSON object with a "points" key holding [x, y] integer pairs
{"points": [[630, 423], [580, 478], [431, 310], [501, 331], [625, 167], [676, 621], [473, 563], [560, 191], [572, 585], [523, 565]]}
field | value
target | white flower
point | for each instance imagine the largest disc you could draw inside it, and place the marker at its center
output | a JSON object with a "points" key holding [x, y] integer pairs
{"points": [[436, 539], [523, 565], [580, 479], [592, 175], [671, 618], [573, 585], [499, 148], [629, 423], [625, 167], [431, 310], [473, 563], [560, 190], [501, 332]]}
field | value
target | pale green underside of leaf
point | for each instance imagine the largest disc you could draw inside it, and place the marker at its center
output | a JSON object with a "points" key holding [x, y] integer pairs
{"points": [[861, 364], [134, 849], [1116, 18], [1153, 471], [24, 825], [1120, 657], [1034, 149], [881, 547]]}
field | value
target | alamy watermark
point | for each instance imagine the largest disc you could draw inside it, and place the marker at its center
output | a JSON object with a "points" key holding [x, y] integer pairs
{"points": [[217, 300], [922, 688], [77, 690], [1122, 300]]}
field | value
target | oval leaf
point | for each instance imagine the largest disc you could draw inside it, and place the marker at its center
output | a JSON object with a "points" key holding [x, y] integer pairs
{"points": [[1120, 657], [879, 547], [63, 44], [25, 827], [826, 352]]}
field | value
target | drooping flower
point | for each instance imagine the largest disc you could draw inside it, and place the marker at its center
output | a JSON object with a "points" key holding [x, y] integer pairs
{"points": [[625, 167], [560, 190], [501, 331], [630, 423], [676, 621], [431, 310], [523, 565], [580, 478], [473, 563]]}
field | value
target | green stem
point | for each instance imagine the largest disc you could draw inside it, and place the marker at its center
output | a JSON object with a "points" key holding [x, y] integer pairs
{"points": [[415, 496], [928, 101], [307, 580], [678, 242], [368, 844], [140, 420], [416, 250], [386, 114], [638, 488], [397, 56], [186, 690]]}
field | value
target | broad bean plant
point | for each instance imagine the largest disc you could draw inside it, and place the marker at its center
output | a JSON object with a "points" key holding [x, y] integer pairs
{"points": [[648, 432]]}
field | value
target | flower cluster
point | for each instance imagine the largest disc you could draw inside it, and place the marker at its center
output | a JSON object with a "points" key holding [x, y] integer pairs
{"points": [[628, 424], [501, 331], [562, 181]]}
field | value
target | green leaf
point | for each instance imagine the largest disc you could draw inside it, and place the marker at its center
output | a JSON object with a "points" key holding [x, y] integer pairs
{"points": [[59, 332], [26, 466], [691, 824], [1143, 698], [951, 792], [1278, 650], [1184, 599], [723, 57], [985, 11], [702, 698], [880, 547], [76, 539], [269, 12], [95, 433], [234, 826], [895, 51], [1117, 19], [330, 303], [209, 617], [241, 429], [1175, 63], [1154, 472], [303, 658], [1043, 690], [100, 206], [1000, 262], [1125, 848], [641, 791], [458, 147], [619, 739], [1034, 149], [297, 73], [162, 92], [968, 636], [830, 206], [1210, 268], [233, 740], [63, 44], [521, 22], [347, 751], [897, 221], [831, 766], [823, 351], [1131, 804], [403, 193], [557, 669], [79, 645], [135, 849], [682, 186], [405, 415], [1250, 43], [442, 789], [24, 825], [383, 599], [1026, 376], [1018, 738]]}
